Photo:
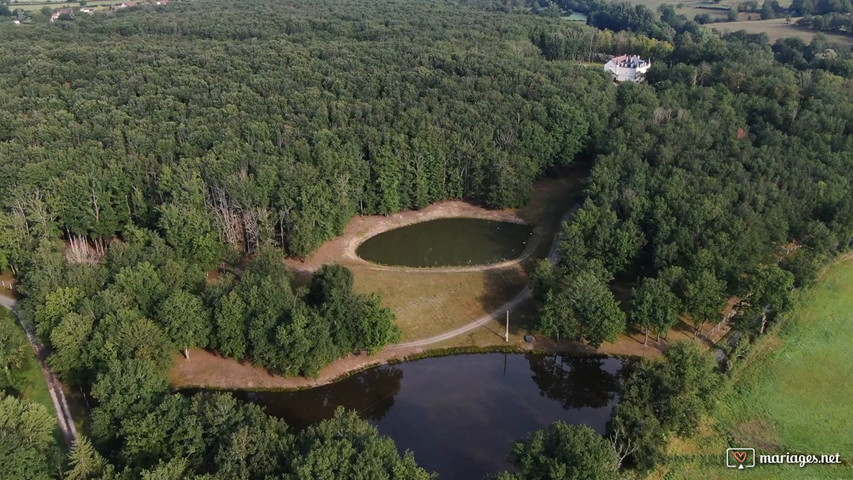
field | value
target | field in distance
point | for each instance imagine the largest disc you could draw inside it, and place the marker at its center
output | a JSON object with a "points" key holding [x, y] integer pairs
{"points": [[35, 6], [716, 10], [748, 21], [778, 28]]}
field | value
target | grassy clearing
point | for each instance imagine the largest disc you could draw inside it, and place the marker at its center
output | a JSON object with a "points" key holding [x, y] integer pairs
{"points": [[794, 395], [427, 303], [691, 8], [778, 28]]}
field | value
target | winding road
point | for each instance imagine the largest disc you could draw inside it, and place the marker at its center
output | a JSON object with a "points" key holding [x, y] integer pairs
{"points": [[522, 296], [60, 403]]}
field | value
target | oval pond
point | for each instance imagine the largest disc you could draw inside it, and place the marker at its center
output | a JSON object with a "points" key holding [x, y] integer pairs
{"points": [[447, 242], [461, 414]]}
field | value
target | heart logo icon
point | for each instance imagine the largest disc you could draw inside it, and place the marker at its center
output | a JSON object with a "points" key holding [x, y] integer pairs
{"points": [[740, 456]]}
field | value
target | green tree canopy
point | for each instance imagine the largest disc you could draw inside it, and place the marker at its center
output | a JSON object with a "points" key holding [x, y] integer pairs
{"points": [[26, 439], [185, 319], [584, 311], [346, 447], [654, 307], [565, 452]]}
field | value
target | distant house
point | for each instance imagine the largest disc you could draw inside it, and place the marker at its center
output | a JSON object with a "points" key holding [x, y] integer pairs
{"points": [[127, 4], [88, 10], [60, 12], [627, 68]]}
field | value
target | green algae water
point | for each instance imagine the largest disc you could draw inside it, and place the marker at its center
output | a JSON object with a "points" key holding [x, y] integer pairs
{"points": [[447, 242]]}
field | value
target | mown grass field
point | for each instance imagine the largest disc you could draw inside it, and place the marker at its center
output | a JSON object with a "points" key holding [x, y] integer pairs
{"points": [[778, 28], [795, 394]]}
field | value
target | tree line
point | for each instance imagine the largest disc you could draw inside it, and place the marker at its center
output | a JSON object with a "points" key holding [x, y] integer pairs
{"points": [[829, 22], [113, 326], [144, 301], [821, 7], [660, 400]]}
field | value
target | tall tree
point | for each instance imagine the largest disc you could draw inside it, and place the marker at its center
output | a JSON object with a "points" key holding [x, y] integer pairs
{"points": [[769, 293], [689, 385], [26, 439], [348, 447], [654, 307], [13, 347], [704, 299], [86, 463], [599, 316], [565, 452], [230, 331], [185, 320], [584, 311]]}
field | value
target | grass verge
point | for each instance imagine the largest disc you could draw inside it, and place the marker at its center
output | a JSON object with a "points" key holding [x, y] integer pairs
{"points": [[29, 382]]}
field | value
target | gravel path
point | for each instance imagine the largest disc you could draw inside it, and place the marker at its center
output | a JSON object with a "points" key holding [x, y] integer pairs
{"points": [[63, 413]]}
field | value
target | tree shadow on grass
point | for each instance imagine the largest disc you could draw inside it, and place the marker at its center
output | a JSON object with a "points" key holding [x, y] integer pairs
{"points": [[499, 287]]}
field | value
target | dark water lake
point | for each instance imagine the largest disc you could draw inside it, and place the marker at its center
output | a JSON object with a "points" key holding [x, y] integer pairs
{"points": [[447, 242], [461, 414]]}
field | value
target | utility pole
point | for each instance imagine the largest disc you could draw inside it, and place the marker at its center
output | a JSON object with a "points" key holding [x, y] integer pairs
{"points": [[506, 335]]}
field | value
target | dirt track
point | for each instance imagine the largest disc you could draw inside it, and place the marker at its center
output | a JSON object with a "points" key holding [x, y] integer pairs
{"points": [[63, 413]]}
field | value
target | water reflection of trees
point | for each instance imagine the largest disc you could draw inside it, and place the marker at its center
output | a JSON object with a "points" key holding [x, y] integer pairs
{"points": [[379, 386], [370, 393], [574, 382]]}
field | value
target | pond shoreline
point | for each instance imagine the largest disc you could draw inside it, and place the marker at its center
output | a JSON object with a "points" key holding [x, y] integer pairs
{"points": [[342, 249], [569, 351], [491, 399], [483, 334], [211, 371], [450, 244]]}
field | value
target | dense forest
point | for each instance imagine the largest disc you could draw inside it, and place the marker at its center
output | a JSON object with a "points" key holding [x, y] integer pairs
{"points": [[146, 147], [821, 7], [275, 124], [727, 176]]}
